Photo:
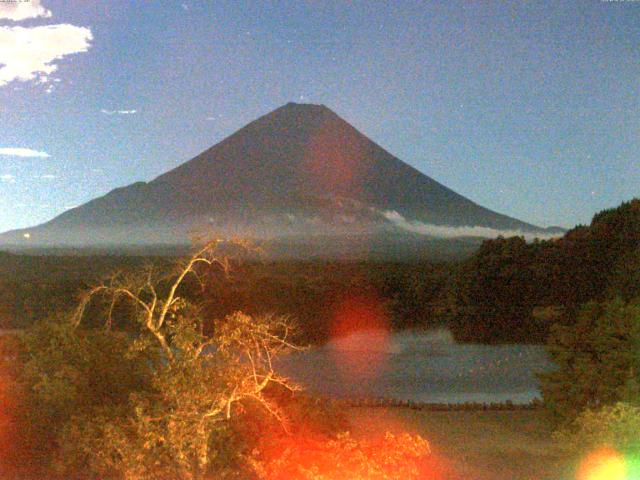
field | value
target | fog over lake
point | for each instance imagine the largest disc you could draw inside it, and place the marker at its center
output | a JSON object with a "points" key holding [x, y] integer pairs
{"points": [[421, 367]]}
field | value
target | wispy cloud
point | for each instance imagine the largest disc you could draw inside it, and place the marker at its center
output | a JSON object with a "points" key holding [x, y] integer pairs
{"points": [[448, 231], [34, 205], [29, 53], [48, 176], [7, 178], [21, 10], [23, 152], [118, 112]]}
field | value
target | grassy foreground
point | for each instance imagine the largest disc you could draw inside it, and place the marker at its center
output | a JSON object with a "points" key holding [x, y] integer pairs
{"points": [[476, 445]]}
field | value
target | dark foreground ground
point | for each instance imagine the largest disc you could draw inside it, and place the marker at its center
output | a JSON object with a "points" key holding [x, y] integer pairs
{"points": [[476, 445]]}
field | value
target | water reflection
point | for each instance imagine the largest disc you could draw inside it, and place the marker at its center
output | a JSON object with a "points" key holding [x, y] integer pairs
{"points": [[423, 367]]}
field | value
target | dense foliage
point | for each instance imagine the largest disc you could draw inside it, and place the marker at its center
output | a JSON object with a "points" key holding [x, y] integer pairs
{"points": [[514, 291], [616, 426], [148, 390], [155, 401], [594, 391], [495, 292], [415, 294], [597, 359], [35, 286]]}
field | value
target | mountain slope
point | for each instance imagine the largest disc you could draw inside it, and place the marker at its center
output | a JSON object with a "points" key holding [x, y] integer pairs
{"points": [[300, 169]]}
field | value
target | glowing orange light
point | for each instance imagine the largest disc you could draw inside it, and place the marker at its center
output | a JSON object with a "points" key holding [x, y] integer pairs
{"points": [[6, 426], [333, 162], [603, 464], [360, 332], [346, 457]]}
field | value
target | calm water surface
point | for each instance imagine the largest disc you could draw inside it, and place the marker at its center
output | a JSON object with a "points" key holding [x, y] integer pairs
{"points": [[423, 367]]}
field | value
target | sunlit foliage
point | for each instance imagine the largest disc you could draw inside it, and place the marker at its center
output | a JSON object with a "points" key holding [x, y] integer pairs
{"points": [[146, 393], [155, 401]]}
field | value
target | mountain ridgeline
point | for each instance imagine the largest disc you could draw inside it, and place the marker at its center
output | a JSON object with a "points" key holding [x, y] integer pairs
{"points": [[297, 172]]}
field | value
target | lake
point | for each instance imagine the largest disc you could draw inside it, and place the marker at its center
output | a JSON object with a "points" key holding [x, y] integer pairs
{"points": [[417, 366]]}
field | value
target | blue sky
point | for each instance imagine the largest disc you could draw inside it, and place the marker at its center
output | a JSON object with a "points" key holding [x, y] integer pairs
{"points": [[529, 108]]}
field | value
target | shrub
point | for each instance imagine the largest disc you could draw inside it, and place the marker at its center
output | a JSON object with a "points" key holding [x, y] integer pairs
{"points": [[616, 426]]}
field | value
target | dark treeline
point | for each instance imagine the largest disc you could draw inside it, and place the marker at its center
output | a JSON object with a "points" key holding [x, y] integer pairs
{"points": [[508, 291], [511, 290], [412, 294], [35, 287]]}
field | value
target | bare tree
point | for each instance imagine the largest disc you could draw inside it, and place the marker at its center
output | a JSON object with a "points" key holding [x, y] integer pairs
{"points": [[198, 378]]}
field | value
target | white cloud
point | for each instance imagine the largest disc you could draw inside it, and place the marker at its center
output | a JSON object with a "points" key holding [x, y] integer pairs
{"points": [[20, 10], [48, 177], [7, 178], [448, 231], [118, 112], [23, 152], [29, 53], [34, 205]]}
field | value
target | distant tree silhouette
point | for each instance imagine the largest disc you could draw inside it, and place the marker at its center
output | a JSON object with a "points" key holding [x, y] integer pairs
{"points": [[498, 288], [494, 292]]}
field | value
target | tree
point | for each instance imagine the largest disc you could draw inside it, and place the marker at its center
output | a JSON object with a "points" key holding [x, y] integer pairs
{"points": [[597, 359], [494, 293], [67, 374], [616, 426], [593, 258], [498, 287], [166, 391], [625, 278]]}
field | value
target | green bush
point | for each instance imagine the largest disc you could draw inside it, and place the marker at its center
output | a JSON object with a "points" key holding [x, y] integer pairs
{"points": [[616, 426]]}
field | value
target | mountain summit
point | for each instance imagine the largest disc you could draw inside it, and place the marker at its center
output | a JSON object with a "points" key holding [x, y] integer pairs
{"points": [[299, 170]]}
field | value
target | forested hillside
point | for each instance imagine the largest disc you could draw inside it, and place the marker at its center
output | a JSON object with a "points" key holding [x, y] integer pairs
{"points": [[511, 290]]}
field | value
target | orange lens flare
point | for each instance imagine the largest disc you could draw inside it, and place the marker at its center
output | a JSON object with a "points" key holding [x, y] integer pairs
{"points": [[603, 464], [346, 457], [335, 163], [7, 427], [360, 333]]}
